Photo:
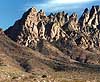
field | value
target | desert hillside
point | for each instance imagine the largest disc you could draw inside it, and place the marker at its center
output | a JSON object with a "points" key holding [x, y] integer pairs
{"points": [[57, 47]]}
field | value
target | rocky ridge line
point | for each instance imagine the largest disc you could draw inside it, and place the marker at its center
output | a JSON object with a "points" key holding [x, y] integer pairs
{"points": [[60, 29]]}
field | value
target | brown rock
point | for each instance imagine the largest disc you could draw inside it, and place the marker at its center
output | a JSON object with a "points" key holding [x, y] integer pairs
{"points": [[84, 18], [35, 26]]}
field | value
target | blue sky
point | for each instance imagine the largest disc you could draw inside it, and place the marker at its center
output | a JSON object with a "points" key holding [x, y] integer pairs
{"points": [[12, 10]]}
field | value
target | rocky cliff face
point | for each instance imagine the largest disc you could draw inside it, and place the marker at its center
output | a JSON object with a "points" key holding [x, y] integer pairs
{"points": [[62, 46], [65, 31]]}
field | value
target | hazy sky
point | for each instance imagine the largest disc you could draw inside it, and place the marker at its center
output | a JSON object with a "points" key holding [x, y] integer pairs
{"points": [[12, 10]]}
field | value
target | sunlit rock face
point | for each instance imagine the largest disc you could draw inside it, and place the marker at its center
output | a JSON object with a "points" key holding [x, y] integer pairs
{"points": [[25, 30], [60, 27], [84, 18]]}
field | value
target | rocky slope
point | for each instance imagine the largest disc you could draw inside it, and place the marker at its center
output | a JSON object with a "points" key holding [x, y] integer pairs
{"points": [[63, 31], [22, 64], [58, 42]]}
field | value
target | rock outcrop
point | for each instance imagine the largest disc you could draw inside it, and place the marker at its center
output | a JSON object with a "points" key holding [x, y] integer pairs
{"points": [[65, 31], [25, 30], [33, 26]]}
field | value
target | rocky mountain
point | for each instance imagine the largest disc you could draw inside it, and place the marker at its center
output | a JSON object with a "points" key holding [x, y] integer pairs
{"points": [[18, 63], [59, 29], [46, 45], [23, 64]]}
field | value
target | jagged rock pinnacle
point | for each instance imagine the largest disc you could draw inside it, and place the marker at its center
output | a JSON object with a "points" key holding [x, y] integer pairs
{"points": [[35, 26]]}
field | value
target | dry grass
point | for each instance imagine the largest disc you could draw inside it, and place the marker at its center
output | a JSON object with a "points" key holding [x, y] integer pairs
{"points": [[23, 64]]}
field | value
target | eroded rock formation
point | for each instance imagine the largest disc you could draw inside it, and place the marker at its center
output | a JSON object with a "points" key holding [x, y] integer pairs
{"points": [[35, 26]]}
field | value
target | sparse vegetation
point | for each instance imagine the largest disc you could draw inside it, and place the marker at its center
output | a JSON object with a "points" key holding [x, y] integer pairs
{"points": [[13, 55], [55, 48]]}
